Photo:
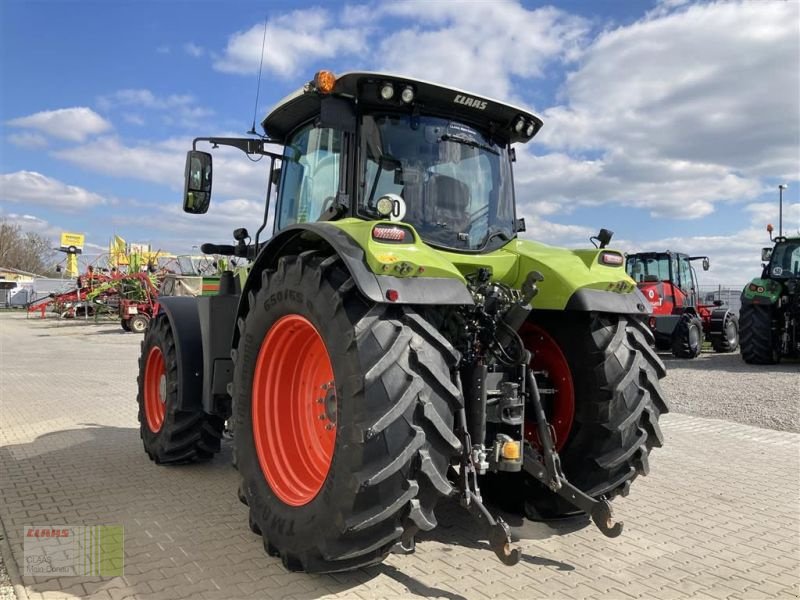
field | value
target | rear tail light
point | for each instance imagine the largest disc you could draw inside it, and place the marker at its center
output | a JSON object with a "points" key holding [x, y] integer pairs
{"points": [[611, 258], [392, 233]]}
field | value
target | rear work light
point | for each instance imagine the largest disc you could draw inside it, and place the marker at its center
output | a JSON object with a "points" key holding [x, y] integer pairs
{"points": [[392, 234], [611, 258]]}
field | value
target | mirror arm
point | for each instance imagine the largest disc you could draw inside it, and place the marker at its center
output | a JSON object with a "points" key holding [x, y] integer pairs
{"points": [[246, 145]]}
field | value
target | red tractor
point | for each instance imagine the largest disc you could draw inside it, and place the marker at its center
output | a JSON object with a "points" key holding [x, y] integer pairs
{"points": [[679, 322]]}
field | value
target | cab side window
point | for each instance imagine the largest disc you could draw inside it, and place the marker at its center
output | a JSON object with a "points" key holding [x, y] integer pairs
{"points": [[309, 175]]}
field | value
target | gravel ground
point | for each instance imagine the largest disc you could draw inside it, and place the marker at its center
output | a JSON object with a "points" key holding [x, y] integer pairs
{"points": [[723, 386], [6, 590]]}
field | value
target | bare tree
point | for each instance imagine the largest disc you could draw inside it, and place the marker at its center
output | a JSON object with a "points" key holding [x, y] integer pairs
{"points": [[26, 251]]}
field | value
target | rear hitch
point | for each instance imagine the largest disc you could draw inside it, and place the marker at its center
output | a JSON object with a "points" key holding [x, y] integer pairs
{"points": [[497, 530], [546, 468]]}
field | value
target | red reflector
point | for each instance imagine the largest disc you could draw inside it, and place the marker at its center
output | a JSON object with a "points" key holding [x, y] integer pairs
{"points": [[394, 234], [392, 295], [611, 258]]}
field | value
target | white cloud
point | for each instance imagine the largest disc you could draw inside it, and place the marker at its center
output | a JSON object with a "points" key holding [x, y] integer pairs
{"points": [[32, 224], [680, 111], [142, 98], [714, 83], [30, 187], [176, 109], [73, 124], [171, 229], [294, 40], [193, 50], [478, 46], [163, 163], [675, 189], [28, 139]]}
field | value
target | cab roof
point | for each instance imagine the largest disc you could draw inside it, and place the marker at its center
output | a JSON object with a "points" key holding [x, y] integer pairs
{"points": [[498, 118]]}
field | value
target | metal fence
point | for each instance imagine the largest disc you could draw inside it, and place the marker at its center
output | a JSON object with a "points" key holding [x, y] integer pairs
{"points": [[729, 295]]}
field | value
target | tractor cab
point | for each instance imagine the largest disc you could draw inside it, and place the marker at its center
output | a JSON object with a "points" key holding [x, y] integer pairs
{"points": [[380, 147], [667, 279], [680, 320]]}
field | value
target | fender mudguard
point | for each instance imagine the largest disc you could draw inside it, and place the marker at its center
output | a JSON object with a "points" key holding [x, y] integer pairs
{"points": [[202, 328], [593, 300], [313, 236], [184, 321]]}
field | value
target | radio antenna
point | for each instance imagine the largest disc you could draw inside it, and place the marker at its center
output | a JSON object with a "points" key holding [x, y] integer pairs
{"points": [[258, 84]]}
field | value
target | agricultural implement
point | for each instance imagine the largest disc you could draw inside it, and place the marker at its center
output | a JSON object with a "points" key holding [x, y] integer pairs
{"points": [[680, 322], [395, 343], [771, 305]]}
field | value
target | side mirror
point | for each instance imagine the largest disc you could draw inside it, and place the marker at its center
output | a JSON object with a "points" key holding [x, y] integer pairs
{"points": [[766, 254], [706, 264], [197, 186]]}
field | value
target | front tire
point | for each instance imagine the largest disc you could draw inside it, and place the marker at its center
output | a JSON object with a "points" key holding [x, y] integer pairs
{"points": [[687, 339], [170, 435], [728, 338], [386, 383], [614, 373], [757, 335]]}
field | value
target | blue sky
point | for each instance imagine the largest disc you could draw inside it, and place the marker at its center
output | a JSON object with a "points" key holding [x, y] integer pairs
{"points": [[671, 123]]}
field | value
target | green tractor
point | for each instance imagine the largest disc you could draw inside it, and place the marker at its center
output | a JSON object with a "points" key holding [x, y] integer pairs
{"points": [[395, 343], [770, 313]]}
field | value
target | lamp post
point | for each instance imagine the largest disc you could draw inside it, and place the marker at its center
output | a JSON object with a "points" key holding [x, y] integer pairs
{"points": [[781, 187]]}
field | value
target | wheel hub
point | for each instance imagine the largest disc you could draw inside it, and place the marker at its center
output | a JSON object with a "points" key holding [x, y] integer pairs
{"points": [[155, 389], [294, 409]]}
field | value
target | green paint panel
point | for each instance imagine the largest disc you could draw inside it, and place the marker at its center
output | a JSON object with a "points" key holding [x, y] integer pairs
{"points": [[761, 291], [565, 271]]}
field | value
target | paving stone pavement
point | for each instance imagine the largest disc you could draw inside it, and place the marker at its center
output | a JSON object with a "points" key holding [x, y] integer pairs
{"points": [[718, 517]]}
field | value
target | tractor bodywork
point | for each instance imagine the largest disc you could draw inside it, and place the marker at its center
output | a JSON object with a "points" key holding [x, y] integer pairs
{"points": [[771, 306], [394, 342], [669, 282]]}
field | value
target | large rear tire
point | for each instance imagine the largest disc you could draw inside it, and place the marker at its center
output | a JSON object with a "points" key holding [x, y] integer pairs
{"points": [[687, 339], [617, 397], [170, 435], [386, 393], [757, 333]]}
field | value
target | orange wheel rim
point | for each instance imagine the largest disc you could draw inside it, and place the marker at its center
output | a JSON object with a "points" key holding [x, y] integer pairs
{"points": [[550, 360], [294, 410], [155, 389]]}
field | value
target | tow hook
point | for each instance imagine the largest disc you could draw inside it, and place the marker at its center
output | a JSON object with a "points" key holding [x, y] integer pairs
{"points": [[498, 532]]}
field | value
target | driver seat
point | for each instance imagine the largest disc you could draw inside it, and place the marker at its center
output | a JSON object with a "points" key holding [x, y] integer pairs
{"points": [[446, 203]]}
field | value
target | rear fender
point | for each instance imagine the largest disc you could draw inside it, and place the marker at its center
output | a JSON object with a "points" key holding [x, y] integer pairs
{"points": [[761, 291], [577, 280], [331, 238]]}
